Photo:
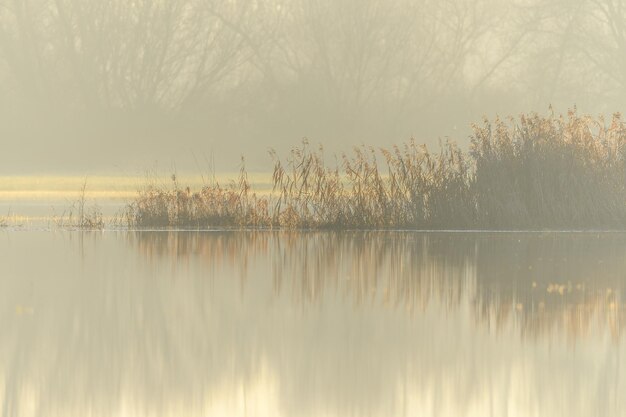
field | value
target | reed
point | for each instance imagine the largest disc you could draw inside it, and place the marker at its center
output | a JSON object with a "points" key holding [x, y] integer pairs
{"points": [[535, 172], [550, 172], [80, 215], [212, 206]]}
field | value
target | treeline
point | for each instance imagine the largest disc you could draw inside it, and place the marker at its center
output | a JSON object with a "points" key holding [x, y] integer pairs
{"points": [[534, 173], [104, 77]]}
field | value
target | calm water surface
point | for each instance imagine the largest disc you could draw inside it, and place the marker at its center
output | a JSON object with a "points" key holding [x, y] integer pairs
{"points": [[311, 324]]}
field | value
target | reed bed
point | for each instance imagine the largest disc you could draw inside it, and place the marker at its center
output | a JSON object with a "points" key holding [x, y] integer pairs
{"points": [[534, 172], [212, 206], [550, 172]]}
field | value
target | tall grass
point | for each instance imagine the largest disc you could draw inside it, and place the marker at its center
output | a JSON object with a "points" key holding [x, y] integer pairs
{"points": [[212, 206], [80, 215], [402, 187], [550, 172], [535, 172]]}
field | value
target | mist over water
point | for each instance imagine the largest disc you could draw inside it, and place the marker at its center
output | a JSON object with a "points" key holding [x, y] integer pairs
{"points": [[111, 86], [352, 323], [124, 125]]}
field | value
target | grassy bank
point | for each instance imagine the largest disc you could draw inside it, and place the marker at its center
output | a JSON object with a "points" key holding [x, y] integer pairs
{"points": [[533, 172]]}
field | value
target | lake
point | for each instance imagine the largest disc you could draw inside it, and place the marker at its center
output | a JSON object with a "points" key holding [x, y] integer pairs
{"points": [[216, 323]]}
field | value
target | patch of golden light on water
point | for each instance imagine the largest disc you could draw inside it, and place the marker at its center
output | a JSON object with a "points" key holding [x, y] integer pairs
{"points": [[28, 187], [38, 199]]}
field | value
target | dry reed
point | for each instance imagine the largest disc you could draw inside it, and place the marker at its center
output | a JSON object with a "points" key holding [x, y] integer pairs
{"points": [[212, 206], [81, 216], [532, 173]]}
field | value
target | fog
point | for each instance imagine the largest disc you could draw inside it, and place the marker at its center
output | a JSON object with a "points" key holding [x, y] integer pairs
{"points": [[118, 86]]}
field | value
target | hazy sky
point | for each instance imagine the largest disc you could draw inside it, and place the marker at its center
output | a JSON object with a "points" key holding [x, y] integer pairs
{"points": [[98, 86]]}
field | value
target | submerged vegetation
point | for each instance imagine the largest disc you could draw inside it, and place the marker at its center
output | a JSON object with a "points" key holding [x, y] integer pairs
{"points": [[534, 172]]}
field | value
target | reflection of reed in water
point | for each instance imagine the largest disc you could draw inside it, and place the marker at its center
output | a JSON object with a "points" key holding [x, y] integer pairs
{"points": [[397, 269], [550, 282], [543, 282], [174, 332], [400, 269]]}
